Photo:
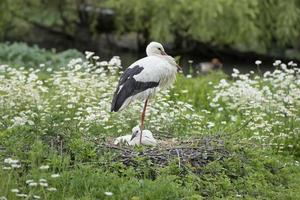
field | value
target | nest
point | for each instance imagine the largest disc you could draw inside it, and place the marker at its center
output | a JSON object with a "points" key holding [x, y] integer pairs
{"points": [[195, 152]]}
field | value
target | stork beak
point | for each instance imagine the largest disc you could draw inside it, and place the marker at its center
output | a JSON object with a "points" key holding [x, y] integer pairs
{"points": [[179, 69], [133, 136], [163, 53]]}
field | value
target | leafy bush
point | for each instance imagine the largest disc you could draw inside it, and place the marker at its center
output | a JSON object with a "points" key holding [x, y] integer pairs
{"points": [[245, 25], [248, 25], [21, 55]]}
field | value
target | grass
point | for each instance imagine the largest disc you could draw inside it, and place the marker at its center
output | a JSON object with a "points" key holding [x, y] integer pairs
{"points": [[52, 122]]}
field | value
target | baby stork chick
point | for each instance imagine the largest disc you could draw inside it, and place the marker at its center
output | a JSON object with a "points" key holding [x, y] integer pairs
{"points": [[134, 139]]}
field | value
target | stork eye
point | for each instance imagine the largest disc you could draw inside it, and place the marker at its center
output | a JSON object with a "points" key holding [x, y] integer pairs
{"points": [[159, 48]]}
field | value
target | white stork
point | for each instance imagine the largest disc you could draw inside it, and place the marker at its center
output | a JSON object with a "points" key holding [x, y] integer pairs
{"points": [[134, 139], [143, 78]]}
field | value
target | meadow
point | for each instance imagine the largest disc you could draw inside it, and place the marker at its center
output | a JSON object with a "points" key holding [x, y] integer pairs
{"points": [[55, 118]]}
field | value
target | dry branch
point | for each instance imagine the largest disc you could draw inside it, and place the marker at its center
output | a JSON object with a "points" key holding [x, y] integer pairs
{"points": [[196, 152]]}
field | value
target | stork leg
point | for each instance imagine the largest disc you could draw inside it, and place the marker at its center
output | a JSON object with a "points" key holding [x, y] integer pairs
{"points": [[142, 120]]}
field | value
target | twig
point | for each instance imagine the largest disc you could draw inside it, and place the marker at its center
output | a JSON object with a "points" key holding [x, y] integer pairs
{"points": [[179, 164], [197, 152], [243, 126], [117, 147], [61, 148]]}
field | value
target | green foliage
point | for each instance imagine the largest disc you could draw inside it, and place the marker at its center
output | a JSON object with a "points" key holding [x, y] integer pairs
{"points": [[44, 133], [248, 173], [64, 17], [21, 55], [197, 90], [246, 25], [7, 18]]}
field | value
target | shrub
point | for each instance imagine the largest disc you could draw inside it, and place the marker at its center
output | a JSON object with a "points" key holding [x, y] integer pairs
{"points": [[22, 55]]}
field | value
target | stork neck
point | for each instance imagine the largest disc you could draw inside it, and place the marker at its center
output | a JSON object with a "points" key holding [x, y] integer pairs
{"points": [[150, 53]]}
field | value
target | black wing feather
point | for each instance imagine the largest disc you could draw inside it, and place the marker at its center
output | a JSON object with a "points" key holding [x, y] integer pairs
{"points": [[129, 73], [130, 87]]}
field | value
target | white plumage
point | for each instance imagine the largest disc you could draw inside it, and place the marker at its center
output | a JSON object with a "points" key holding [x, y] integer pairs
{"points": [[156, 69], [134, 139], [143, 78]]}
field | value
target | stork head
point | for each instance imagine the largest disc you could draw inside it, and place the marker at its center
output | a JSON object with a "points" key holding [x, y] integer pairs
{"points": [[154, 49], [135, 132]]}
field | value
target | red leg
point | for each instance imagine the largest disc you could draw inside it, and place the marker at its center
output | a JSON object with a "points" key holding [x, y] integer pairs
{"points": [[142, 120]]}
